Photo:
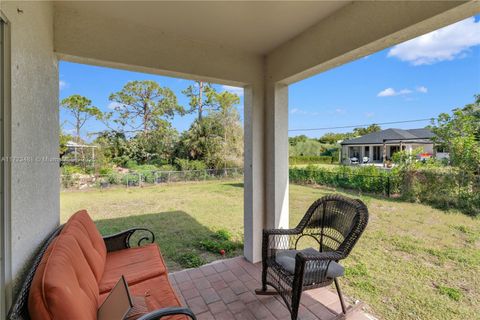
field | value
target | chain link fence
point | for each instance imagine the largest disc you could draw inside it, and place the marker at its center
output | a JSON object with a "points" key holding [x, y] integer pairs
{"points": [[145, 178]]}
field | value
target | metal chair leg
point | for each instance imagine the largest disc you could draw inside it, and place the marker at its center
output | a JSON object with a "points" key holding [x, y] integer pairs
{"points": [[337, 286]]}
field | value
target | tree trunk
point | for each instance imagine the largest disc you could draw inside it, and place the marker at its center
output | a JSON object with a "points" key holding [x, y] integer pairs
{"points": [[200, 101]]}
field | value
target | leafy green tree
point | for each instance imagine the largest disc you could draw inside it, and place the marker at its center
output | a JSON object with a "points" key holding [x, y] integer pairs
{"points": [[144, 106], [294, 140], [82, 110], [363, 131], [216, 138], [231, 129], [114, 146], [459, 133], [310, 147], [201, 97], [333, 138], [201, 142]]}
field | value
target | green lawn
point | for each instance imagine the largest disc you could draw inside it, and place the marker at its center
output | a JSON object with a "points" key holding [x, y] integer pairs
{"points": [[413, 262]]}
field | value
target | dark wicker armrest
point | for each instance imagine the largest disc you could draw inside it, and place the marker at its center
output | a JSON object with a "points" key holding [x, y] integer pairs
{"points": [[277, 239], [280, 231], [160, 313], [320, 256], [122, 240], [315, 265]]}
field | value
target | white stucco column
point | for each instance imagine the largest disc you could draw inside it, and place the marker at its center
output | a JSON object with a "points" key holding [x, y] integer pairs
{"points": [[276, 165], [254, 175]]}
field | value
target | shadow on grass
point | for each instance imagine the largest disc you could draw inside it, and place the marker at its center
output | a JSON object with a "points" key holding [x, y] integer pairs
{"points": [[237, 185], [181, 238]]}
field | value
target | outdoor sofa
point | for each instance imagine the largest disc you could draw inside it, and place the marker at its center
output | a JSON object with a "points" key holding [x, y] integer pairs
{"points": [[76, 269]]}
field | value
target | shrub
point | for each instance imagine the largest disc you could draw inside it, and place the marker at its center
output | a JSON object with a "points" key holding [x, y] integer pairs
{"points": [[367, 179], [187, 165], [69, 169], [444, 188], [190, 260], [105, 170], [311, 159], [220, 240], [131, 164]]}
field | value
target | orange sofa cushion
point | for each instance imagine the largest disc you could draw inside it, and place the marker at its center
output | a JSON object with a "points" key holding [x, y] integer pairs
{"points": [[82, 227], [136, 264], [158, 294], [64, 286]]}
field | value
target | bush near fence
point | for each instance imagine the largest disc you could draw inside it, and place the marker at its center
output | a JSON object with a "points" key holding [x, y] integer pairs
{"points": [[145, 177], [443, 188], [295, 160], [366, 179]]}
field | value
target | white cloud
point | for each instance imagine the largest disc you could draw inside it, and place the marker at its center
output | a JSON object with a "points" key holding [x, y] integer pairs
{"points": [[62, 84], [236, 90], [422, 89], [369, 114], [387, 93], [299, 111], [390, 92], [112, 105], [340, 111], [445, 44]]}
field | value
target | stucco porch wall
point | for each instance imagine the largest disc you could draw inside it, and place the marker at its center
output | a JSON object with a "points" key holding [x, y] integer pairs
{"points": [[32, 191]]}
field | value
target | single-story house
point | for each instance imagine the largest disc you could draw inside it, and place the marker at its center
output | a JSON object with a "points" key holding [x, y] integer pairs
{"points": [[379, 146]]}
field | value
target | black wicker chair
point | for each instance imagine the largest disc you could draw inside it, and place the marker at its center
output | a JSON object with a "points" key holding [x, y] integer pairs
{"points": [[333, 224]]}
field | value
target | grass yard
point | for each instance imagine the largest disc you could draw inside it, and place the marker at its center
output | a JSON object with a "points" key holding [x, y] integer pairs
{"points": [[413, 262]]}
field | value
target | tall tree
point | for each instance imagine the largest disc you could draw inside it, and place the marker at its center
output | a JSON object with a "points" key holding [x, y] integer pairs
{"points": [[228, 117], [144, 105], [459, 133], [201, 96], [363, 131], [82, 110]]}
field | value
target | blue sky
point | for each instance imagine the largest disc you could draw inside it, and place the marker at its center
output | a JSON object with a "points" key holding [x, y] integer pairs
{"points": [[416, 79]]}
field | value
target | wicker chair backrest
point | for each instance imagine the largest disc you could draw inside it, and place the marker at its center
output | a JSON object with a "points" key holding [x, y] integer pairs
{"points": [[335, 222]]}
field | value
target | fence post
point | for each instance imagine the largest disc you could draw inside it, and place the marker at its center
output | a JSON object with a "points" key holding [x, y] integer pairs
{"points": [[139, 179], [388, 186], [155, 177], [127, 180]]}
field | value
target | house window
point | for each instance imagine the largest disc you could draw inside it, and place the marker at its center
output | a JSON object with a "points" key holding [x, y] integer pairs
{"points": [[367, 151]]}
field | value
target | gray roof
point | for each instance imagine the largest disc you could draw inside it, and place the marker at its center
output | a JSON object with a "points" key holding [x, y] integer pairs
{"points": [[391, 135]]}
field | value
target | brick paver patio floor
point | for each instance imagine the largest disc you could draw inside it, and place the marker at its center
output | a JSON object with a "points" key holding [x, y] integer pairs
{"points": [[225, 290]]}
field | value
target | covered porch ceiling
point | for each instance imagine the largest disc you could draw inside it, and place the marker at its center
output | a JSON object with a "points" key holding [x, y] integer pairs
{"points": [[248, 26]]}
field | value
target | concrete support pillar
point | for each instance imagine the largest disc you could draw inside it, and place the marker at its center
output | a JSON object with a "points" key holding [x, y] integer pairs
{"points": [[254, 171], [276, 165]]}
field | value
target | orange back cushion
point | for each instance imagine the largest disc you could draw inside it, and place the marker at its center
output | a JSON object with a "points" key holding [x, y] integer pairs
{"points": [[82, 227], [64, 286]]}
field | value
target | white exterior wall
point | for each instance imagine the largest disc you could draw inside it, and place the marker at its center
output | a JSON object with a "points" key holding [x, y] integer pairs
{"points": [[34, 186]]}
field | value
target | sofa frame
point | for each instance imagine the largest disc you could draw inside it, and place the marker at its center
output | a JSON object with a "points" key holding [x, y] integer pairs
{"points": [[118, 241]]}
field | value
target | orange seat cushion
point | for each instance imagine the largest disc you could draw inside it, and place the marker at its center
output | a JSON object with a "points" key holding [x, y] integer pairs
{"points": [[136, 264], [64, 286], [158, 294], [82, 227]]}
